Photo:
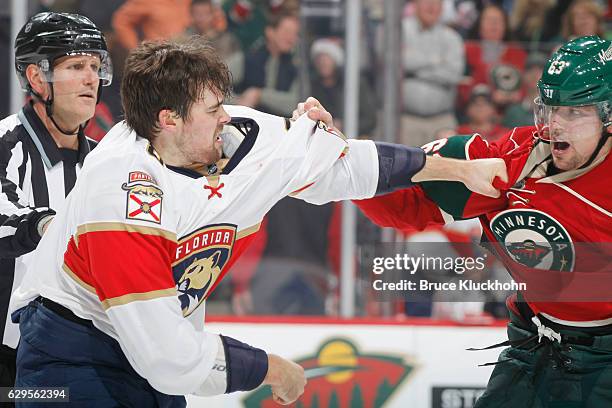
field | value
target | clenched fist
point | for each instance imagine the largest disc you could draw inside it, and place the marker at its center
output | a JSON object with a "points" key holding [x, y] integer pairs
{"points": [[480, 176], [286, 378]]}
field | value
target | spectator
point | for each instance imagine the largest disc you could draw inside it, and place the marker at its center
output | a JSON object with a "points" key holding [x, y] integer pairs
{"points": [[521, 113], [209, 21], [584, 17], [506, 86], [156, 19], [489, 48], [461, 14], [527, 19], [270, 82], [246, 20], [569, 19], [328, 86], [433, 62], [482, 117]]}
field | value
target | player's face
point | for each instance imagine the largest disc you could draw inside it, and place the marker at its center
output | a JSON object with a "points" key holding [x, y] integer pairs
{"points": [[199, 141], [75, 89], [574, 134]]}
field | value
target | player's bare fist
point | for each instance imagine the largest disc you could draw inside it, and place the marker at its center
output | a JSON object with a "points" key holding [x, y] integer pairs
{"points": [[480, 176], [286, 378]]}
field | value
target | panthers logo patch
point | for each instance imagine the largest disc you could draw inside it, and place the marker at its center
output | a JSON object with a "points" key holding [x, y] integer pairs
{"points": [[534, 239], [199, 261]]}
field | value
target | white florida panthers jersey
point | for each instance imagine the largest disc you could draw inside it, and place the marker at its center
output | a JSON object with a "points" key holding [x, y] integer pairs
{"points": [[140, 245]]}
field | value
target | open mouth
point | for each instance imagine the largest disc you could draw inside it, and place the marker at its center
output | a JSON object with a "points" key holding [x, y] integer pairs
{"points": [[218, 138], [560, 146]]}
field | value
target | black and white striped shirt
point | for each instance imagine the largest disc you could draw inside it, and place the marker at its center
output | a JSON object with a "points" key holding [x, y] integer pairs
{"points": [[35, 178]]}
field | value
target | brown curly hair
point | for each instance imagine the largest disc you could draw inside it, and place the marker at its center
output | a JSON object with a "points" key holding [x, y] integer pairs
{"points": [[169, 74]]}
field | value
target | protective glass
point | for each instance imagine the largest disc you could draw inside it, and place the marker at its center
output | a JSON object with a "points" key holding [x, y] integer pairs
{"points": [[101, 69], [566, 122]]}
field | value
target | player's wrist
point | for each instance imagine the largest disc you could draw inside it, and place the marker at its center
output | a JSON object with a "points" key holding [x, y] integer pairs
{"points": [[272, 376], [464, 169], [438, 168]]}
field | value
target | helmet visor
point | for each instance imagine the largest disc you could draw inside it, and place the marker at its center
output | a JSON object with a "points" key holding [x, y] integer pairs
{"points": [[567, 122], [92, 65]]}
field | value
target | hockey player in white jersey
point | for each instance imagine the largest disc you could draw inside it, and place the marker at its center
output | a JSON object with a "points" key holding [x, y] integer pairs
{"points": [[112, 306]]}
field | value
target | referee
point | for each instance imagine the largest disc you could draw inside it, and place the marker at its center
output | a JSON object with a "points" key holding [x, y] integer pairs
{"points": [[62, 62]]}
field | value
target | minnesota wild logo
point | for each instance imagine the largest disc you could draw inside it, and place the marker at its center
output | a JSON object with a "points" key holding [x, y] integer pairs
{"points": [[339, 376], [534, 239]]}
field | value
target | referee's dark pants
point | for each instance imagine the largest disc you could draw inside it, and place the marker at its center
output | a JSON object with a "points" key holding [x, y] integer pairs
{"points": [[59, 349]]}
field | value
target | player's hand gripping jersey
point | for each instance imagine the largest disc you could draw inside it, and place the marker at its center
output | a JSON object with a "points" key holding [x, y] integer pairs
{"points": [[138, 249], [539, 222]]}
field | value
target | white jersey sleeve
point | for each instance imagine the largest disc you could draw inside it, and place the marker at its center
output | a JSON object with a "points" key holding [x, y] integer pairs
{"points": [[314, 163], [352, 177]]}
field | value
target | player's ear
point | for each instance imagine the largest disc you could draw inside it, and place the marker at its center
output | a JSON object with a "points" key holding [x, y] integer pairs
{"points": [[167, 119]]}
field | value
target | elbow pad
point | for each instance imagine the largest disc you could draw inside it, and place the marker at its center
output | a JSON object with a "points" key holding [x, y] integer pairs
{"points": [[397, 164]]}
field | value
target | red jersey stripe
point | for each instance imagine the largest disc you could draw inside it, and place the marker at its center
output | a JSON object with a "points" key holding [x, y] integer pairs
{"points": [[122, 262]]}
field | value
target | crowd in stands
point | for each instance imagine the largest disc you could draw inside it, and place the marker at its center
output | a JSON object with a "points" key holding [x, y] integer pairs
{"points": [[467, 66]]}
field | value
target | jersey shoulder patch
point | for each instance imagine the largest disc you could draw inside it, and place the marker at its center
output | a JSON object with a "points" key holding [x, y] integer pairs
{"points": [[144, 197]]}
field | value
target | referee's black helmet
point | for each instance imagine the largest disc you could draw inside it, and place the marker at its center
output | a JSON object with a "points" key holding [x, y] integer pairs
{"points": [[49, 36]]}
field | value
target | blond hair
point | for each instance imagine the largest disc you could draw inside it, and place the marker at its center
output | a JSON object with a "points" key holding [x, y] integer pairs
{"points": [[530, 15], [567, 24]]}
